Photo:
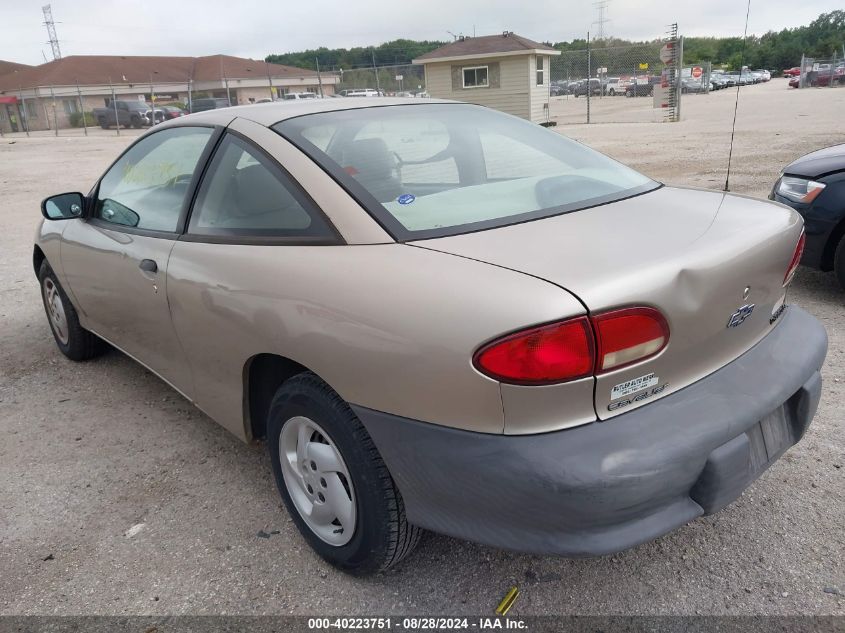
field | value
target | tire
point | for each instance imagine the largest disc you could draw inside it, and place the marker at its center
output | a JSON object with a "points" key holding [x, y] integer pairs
{"points": [[73, 340], [369, 501], [612, 92], [839, 262], [102, 121], [136, 122]]}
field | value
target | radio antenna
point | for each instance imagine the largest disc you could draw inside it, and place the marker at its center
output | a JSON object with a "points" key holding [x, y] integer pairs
{"points": [[736, 102]]}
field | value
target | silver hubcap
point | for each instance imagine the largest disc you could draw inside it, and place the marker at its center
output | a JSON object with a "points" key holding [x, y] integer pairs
{"points": [[55, 310], [317, 480]]}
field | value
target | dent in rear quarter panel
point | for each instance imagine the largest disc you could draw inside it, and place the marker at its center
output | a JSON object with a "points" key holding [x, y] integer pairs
{"points": [[389, 327]]}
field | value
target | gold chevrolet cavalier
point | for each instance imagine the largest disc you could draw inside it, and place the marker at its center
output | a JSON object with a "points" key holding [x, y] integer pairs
{"points": [[439, 316]]}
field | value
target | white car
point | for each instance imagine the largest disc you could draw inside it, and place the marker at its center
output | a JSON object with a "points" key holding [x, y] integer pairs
{"points": [[363, 92], [290, 96]]}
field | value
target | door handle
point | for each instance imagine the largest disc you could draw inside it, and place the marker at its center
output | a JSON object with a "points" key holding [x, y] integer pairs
{"points": [[148, 266]]}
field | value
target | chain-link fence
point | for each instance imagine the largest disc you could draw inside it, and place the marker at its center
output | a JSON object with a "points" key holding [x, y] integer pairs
{"points": [[615, 84], [696, 79], [394, 80], [821, 73]]}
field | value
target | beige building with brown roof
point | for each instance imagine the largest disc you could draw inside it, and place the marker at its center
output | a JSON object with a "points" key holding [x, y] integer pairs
{"points": [[506, 72], [46, 96]]}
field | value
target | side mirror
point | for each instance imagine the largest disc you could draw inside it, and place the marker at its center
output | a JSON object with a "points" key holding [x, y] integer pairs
{"points": [[65, 206]]}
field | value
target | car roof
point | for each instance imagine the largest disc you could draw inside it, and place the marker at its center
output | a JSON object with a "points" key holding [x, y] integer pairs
{"points": [[270, 113]]}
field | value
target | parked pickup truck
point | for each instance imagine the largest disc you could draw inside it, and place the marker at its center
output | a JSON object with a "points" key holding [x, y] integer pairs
{"points": [[132, 113], [644, 86]]}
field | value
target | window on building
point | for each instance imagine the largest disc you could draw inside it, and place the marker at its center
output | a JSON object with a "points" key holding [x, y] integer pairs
{"points": [[475, 77], [540, 70], [70, 106], [31, 108]]}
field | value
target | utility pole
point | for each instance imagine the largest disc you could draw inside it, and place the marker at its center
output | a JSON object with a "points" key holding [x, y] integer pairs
{"points": [[375, 70], [22, 109], [51, 31], [601, 7], [319, 78], [589, 76], [81, 108], [55, 115], [153, 101], [114, 107], [269, 80]]}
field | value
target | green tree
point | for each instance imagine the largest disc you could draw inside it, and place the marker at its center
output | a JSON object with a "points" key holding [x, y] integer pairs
{"points": [[775, 50]]}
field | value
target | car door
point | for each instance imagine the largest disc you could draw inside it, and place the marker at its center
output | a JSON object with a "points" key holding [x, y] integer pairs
{"points": [[236, 275], [115, 260]]}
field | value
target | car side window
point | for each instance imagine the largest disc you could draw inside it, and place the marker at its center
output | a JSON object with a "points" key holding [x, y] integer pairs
{"points": [[245, 193], [147, 186]]}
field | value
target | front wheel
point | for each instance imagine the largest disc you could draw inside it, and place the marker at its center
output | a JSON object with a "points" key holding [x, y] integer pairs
{"points": [[136, 122], [103, 123], [72, 339], [335, 485]]}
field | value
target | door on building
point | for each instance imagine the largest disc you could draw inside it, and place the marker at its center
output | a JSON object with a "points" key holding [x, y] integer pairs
{"points": [[12, 113]]}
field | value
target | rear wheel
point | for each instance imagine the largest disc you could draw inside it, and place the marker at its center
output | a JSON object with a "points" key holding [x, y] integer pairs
{"points": [[73, 340], [136, 122], [103, 123], [335, 485], [839, 262]]}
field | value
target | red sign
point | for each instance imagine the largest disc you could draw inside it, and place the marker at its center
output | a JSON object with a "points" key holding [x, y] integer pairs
{"points": [[8, 99], [696, 71]]}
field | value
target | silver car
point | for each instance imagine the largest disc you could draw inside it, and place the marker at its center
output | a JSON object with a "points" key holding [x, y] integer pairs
{"points": [[439, 316]]}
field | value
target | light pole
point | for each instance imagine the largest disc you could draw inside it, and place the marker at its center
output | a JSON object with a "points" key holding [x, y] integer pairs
{"points": [[378, 87], [55, 115], [114, 107], [319, 78], [269, 80], [81, 108], [22, 108], [152, 99]]}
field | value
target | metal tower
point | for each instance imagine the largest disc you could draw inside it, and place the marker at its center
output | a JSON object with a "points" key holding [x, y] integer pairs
{"points": [[601, 8], [51, 31]]}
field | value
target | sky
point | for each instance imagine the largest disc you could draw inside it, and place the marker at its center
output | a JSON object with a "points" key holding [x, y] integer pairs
{"points": [[255, 28]]}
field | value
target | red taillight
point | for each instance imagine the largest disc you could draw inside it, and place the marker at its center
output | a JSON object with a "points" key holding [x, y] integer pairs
{"points": [[628, 336], [541, 355], [575, 348], [796, 259]]}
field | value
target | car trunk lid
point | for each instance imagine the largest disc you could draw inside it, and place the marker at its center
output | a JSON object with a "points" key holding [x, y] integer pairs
{"points": [[700, 257]]}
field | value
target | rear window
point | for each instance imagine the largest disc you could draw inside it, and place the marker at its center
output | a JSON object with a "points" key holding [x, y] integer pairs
{"points": [[444, 169]]}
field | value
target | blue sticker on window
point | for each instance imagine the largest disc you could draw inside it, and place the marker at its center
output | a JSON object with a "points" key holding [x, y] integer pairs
{"points": [[406, 198]]}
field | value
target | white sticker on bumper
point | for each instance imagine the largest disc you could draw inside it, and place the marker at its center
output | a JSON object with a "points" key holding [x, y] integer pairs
{"points": [[634, 385]]}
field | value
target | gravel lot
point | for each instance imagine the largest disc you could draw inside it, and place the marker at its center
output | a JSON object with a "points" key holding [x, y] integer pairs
{"points": [[119, 497]]}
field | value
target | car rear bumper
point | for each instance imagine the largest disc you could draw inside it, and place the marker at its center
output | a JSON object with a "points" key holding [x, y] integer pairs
{"points": [[607, 486]]}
